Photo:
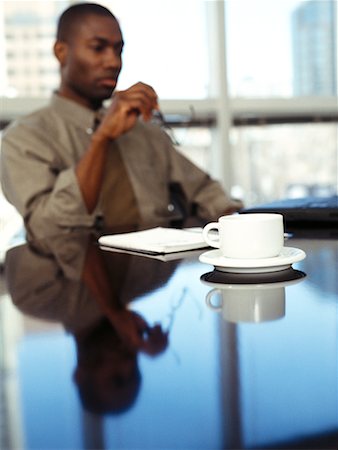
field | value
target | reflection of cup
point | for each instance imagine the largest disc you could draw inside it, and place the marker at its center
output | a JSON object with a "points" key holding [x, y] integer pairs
{"points": [[245, 303], [246, 236]]}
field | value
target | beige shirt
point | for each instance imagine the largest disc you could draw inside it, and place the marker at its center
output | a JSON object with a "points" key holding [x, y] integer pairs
{"points": [[40, 152]]}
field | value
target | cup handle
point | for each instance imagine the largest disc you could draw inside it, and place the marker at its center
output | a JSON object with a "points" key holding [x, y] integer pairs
{"points": [[208, 299], [205, 233]]}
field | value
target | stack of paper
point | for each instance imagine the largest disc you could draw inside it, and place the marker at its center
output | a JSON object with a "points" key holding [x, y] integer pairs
{"points": [[156, 240]]}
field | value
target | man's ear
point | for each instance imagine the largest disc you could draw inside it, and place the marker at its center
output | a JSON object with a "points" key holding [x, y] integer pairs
{"points": [[61, 52]]}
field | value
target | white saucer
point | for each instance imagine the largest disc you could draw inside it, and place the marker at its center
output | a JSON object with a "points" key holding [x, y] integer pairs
{"points": [[287, 256]]}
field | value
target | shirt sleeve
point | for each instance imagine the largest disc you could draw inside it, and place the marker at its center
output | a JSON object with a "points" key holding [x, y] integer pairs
{"points": [[41, 187]]}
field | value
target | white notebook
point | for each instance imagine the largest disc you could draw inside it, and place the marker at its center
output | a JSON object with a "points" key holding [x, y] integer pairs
{"points": [[156, 240]]}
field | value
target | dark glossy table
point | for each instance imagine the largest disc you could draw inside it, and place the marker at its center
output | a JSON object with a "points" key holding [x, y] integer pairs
{"points": [[105, 350]]}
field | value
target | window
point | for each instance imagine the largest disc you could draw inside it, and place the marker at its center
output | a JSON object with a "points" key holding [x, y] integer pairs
{"points": [[281, 49], [31, 25], [278, 53], [276, 161]]}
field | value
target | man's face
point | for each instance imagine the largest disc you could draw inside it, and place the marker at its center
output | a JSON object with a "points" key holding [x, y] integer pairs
{"points": [[92, 61]]}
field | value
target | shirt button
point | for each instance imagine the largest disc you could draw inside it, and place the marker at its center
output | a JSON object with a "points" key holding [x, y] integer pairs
{"points": [[171, 207], [89, 130]]}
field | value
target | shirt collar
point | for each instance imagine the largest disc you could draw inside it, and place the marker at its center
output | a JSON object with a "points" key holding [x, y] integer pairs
{"points": [[74, 113]]}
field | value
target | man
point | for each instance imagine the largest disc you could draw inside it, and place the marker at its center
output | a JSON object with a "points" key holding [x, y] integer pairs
{"points": [[74, 162]]}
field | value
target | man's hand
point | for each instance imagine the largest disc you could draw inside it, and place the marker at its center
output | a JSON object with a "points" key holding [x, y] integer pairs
{"points": [[126, 106], [137, 334], [130, 327]]}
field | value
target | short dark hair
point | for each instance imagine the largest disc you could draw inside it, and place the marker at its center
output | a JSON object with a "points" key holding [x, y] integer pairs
{"points": [[74, 14]]}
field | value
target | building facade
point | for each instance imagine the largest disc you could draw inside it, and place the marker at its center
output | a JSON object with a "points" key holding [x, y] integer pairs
{"points": [[314, 42]]}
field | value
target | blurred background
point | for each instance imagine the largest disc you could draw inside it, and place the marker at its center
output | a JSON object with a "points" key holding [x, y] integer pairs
{"points": [[249, 87]]}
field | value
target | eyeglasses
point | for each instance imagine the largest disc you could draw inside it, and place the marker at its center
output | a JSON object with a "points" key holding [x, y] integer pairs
{"points": [[159, 118]]}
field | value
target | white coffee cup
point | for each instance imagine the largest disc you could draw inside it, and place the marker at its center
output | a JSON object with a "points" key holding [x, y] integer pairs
{"points": [[247, 236]]}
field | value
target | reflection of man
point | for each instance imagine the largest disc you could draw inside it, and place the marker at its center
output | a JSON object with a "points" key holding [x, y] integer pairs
{"points": [[107, 373], [64, 167], [71, 281]]}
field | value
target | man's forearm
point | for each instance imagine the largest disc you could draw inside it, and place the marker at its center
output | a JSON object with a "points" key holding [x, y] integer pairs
{"points": [[89, 171]]}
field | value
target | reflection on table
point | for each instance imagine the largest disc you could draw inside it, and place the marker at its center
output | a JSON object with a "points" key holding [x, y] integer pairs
{"points": [[109, 350]]}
